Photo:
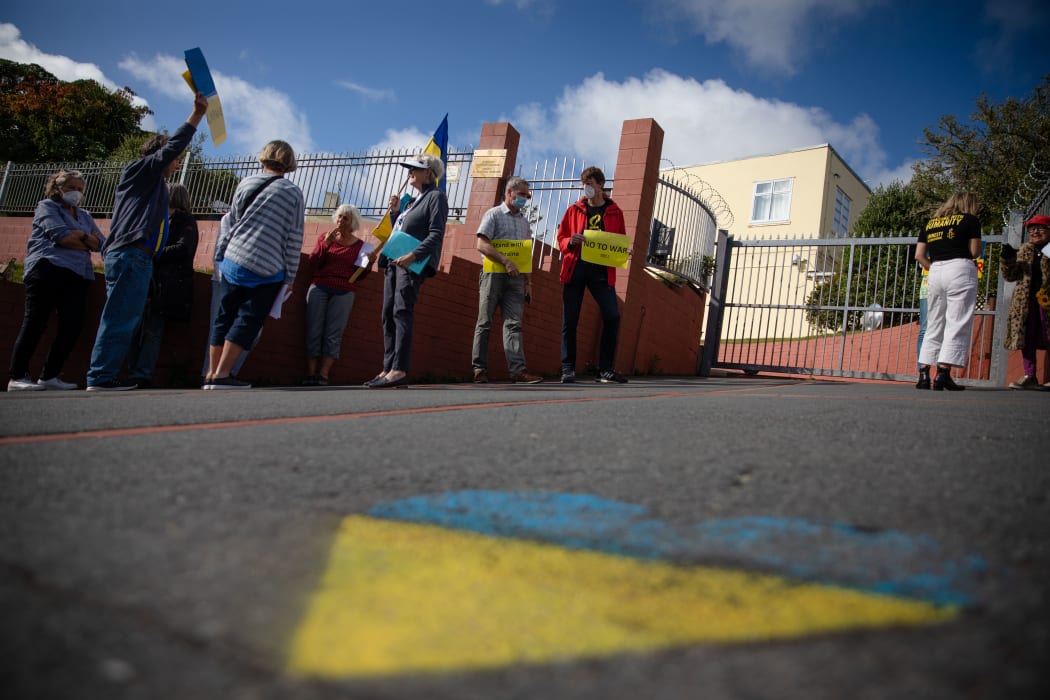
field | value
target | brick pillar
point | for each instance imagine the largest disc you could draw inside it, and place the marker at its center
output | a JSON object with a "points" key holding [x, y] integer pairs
{"points": [[634, 189], [485, 193]]}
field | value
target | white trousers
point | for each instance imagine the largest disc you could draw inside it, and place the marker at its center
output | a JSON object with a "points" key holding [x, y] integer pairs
{"points": [[950, 307]]}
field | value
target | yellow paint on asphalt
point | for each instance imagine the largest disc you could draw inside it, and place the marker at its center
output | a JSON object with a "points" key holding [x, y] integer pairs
{"points": [[406, 598]]}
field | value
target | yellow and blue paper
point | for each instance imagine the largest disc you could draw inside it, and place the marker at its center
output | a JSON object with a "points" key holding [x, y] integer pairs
{"points": [[604, 248], [479, 580], [400, 243], [198, 77], [519, 252]]}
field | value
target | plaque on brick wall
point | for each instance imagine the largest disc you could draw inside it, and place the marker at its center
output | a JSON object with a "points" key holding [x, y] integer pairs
{"points": [[488, 162]]}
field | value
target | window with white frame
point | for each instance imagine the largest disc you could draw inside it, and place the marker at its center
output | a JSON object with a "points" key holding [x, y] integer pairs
{"points": [[772, 201], [840, 222]]}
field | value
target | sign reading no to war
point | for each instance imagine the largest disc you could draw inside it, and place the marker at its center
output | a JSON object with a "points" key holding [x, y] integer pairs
{"points": [[604, 248]]}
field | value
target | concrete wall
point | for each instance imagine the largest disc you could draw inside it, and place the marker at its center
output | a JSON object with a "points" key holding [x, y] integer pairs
{"points": [[660, 330]]}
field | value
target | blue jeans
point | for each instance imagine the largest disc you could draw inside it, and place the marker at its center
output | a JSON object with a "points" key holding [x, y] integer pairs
{"points": [[128, 272], [142, 359], [595, 278]]}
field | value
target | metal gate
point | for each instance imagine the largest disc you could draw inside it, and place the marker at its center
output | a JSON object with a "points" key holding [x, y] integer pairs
{"points": [[838, 308]]}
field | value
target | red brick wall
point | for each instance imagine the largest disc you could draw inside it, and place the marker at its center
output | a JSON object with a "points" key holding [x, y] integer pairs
{"points": [[660, 331]]}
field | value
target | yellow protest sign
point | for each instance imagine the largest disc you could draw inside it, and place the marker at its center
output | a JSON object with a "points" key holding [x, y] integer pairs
{"points": [[604, 248], [519, 252]]}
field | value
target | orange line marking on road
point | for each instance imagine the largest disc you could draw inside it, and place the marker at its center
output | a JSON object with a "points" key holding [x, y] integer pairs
{"points": [[291, 420]]}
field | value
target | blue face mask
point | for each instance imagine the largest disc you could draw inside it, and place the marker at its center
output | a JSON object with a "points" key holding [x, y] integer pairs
{"points": [[520, 202]]}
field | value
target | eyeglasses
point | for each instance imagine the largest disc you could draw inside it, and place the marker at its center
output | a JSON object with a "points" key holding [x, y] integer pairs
{"points": [[1039, 229]]}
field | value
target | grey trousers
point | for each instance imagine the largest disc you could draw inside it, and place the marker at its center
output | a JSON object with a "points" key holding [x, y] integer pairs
{"points": [[499, 290], [400, 293], [326, 316]]}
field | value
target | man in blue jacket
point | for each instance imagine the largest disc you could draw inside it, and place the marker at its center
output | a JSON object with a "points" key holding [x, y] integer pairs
{"points": [[138, 228]]}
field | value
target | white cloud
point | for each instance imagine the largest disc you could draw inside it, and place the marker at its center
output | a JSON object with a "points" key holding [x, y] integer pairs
{"points": [[371, 94], [254, 115], [902, 173], [703, 122], [772, 34], [14, 48]]}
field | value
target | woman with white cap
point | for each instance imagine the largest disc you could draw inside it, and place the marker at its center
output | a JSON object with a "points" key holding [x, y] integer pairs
{"points": [[423, 219]]}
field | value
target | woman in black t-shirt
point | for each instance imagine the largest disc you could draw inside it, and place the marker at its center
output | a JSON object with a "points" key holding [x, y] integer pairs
{"points": [[947, 248]]}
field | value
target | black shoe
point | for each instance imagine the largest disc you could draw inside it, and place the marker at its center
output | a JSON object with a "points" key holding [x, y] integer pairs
{"points": [[374, 380], [568, 376], [924, 379], [222, 383], [113, 385], [944, 381], [611, 377]]}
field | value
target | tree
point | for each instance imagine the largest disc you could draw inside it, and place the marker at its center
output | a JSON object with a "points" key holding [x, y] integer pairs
{"points": [[990, 155], [893, 210], [43, 119]]}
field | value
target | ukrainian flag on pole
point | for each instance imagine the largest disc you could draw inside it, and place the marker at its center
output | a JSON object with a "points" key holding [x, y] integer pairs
{"points": [[437, 146]]}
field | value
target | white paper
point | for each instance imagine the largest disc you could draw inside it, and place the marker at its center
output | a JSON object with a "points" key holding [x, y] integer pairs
{"points": [[363, 257], [1046, 250], [282, 296]]}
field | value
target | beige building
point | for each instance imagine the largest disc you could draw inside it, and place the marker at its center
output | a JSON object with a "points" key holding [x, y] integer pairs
{"points": [[807, 193]]}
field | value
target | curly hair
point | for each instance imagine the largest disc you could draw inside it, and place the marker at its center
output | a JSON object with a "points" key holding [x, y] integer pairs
{"points": [[53, 186]]}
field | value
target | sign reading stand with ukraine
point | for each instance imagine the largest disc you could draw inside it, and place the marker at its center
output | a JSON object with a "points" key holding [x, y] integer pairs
{"points": [[198, 77]]}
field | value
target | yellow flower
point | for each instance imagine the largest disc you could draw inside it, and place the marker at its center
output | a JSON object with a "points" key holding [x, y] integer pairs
{"points": [[1043, 297]]}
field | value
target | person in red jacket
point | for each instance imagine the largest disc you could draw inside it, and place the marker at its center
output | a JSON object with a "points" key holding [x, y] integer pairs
{"points": [[594, 212]]}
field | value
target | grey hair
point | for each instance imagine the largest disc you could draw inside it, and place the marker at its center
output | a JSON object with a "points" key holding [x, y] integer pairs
{"points": [[53, 186], [355, 215], [179, 198], [434, 164], [516, 183]]}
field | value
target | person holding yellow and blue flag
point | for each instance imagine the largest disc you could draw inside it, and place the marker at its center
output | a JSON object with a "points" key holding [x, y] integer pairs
{"points": [[411, 254], [138, 230]]}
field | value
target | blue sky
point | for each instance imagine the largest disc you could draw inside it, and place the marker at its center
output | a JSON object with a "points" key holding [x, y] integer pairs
{"points": [[725, 78]]}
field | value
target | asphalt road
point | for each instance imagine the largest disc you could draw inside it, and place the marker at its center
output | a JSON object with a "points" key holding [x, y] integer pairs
{"points": [[173, 544]]}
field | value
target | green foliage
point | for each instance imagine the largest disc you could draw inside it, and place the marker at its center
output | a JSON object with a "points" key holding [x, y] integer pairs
{"points": [[878, 273], [43, 119], [990, 154]]}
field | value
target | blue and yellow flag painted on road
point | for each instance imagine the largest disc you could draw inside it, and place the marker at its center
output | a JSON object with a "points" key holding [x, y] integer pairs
{"points": [[477, 580]]}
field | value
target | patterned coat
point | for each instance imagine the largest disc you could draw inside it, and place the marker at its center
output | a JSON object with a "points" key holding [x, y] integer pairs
{"points": [[1020, 271]]}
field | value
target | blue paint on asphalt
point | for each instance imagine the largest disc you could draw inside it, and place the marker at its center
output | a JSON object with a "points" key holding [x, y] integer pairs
{"points": [[879, 561]]}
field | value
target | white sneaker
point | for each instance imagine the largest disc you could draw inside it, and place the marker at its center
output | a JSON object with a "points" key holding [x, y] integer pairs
{"points": [[23, 384], [55, 384]]}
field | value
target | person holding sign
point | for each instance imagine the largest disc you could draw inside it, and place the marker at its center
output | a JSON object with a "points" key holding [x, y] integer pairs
{"points": [[594, 212], [504, 284], [137, 233], [423, 219], [338, 255]]}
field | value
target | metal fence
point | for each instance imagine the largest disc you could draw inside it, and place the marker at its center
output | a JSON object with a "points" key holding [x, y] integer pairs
{"points": [[838, 307], [682, 235], [327, 180]]}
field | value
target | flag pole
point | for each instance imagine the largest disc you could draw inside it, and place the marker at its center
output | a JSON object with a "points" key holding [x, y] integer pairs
{"points": [[374, 255]]}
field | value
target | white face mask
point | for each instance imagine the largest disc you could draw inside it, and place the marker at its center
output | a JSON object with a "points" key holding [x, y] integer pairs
{"points": [[72, 198], [588, 191]]}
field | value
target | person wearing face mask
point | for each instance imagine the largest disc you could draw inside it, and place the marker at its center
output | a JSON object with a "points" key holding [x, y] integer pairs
{"points": [[137, 233], [508, 291], [1027, 323], [57, 275], [594, 212]]}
